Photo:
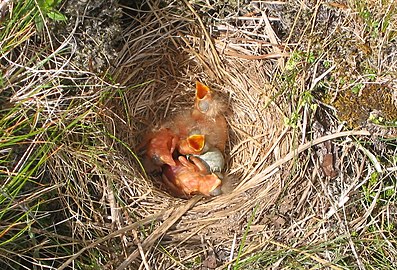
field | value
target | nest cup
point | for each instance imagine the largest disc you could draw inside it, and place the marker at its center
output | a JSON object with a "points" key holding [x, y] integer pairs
{"points": [[163, 56]]}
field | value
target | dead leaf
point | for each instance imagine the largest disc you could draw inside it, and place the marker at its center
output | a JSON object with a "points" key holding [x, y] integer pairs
{"points": [[328, 165]]}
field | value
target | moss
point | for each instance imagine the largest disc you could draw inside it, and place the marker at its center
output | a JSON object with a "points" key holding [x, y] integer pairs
{"points": [[356, 108]]}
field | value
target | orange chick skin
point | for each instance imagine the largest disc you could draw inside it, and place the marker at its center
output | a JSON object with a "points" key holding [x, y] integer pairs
{"points": [[186, 178], [159, 148]]}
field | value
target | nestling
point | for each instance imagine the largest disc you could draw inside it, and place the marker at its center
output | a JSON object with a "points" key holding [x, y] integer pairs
{"points": [[189, 149], [205, 119], [188, 178], [208, 116], [158, 147]]}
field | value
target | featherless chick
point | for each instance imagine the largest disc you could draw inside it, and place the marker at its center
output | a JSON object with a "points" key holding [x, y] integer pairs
{"points": [[158, 149], [189, 178]]}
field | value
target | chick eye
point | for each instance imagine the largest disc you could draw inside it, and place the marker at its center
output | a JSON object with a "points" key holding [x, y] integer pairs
{"points": [[216, 192], [203, 106], [157, 160]]}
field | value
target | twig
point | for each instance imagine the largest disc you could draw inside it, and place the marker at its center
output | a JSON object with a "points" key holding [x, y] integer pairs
{"points": [[160, 231], [207, 35], [149, 219], [232, 251], [142, 253], [245, 185]]}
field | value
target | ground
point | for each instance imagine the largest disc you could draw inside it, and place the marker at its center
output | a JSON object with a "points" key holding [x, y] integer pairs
{"points": [[310, 91]]}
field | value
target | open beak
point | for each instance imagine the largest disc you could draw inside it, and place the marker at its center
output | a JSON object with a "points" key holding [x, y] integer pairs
{"points": [[203, 97], [201, 90], [196, 142], [192, 145]]}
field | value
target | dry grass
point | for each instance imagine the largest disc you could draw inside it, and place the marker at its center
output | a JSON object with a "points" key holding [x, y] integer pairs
{"points": [[300, 191], [177, 54]]}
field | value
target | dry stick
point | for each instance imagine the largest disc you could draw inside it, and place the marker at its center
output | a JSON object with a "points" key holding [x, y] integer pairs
{"points": [[160, 21], [207, 35], [160, 231], [114, 212], [138, 243], [232, 250], [218, 63], [197, 55], [147, 220], [257, 57], [189, 236], [260, 163], [272, 37], [245, 185]]}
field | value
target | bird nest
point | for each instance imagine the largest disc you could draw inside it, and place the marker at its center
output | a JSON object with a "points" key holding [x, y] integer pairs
{"points": [[163, 56], [271, 189]]}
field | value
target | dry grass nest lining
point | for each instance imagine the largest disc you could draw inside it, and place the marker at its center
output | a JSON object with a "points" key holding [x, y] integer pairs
{"points": [[163, 56]]}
